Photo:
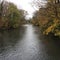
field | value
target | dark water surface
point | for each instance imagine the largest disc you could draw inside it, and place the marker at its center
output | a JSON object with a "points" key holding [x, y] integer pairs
{"points": [[27, 43]]}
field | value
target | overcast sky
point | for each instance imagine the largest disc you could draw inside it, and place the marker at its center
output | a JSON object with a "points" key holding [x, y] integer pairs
{"points": [[24, 4]]}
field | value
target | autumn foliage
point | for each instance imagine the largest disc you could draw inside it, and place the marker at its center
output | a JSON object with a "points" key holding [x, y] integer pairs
{"points": [[48, 17]]}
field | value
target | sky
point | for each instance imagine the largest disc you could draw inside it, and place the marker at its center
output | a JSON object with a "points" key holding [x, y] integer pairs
{"points": [[26, 5]]}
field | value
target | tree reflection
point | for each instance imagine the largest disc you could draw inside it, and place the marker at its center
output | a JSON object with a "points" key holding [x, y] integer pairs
{"points": [[9, 38]]}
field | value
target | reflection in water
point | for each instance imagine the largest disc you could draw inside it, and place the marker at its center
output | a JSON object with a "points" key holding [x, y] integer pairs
{"points": [[27, 43], [8, 39]]}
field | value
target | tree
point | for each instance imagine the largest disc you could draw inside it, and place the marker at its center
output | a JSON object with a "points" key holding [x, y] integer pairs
{"points": [[48, 17], [11, 16], [15, 16]]}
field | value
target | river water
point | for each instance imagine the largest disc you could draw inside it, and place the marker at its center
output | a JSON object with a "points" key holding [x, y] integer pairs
{"points": [[27, 43]]}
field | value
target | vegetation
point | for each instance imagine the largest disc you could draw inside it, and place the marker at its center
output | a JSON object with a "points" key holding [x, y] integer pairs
{"points": [[48, 17], [10, 15]]}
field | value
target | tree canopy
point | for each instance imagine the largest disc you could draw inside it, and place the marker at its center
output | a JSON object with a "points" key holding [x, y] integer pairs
{"points": [[48, 17], [11, 16]]}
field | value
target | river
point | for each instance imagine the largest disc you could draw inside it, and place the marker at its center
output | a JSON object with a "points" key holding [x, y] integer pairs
{"points": [[27, 43]]}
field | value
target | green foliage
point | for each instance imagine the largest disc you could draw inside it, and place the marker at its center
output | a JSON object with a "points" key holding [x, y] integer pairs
{"points": [[12, 16]]}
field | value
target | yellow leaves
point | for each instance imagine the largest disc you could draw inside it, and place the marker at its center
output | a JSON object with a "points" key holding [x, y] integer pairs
{"points": [[57, 33], [49, 29], [52, 29]]}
